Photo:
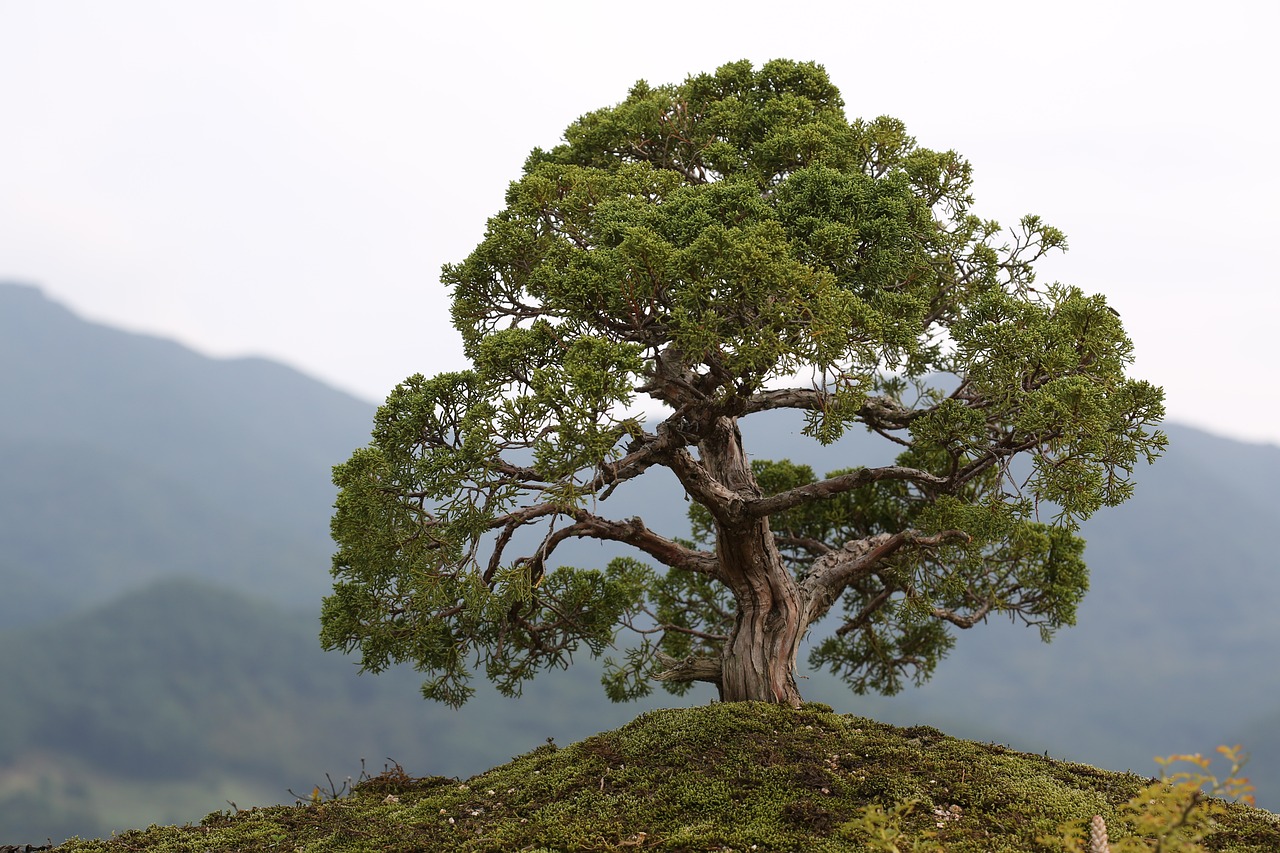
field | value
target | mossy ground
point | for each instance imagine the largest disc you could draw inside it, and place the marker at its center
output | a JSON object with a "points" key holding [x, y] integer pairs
{"points": [[741, 777]]}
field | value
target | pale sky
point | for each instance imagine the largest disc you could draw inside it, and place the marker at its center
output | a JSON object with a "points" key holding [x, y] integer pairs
{"points": [[286, 178]]}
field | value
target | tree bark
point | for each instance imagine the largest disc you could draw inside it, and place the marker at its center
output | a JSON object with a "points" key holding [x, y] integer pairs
{"points": [[759, 658]]}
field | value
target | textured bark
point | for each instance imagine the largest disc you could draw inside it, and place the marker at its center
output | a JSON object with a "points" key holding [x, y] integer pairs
{"points": [[759, 661], [759, 658]]}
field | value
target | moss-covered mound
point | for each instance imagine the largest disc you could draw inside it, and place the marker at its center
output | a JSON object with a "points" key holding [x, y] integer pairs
{"points": [[741, 777]]}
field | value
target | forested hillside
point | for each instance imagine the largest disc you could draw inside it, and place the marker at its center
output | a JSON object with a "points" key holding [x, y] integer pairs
{"points": [[127, 458], [163, 551], [185, 695]]}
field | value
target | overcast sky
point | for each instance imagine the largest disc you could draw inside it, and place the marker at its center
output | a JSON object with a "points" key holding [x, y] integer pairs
{"points": [[286, 178]]}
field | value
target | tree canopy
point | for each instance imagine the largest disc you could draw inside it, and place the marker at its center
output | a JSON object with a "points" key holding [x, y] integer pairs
{"points": [[695, 255]]}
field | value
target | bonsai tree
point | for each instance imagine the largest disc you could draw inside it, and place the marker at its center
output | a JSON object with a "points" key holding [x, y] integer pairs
{"points": [[696, 255]]}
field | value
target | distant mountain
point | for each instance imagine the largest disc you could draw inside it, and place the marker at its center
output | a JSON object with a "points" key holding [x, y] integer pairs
{"points": [[180, 684], [164, 548], [1176, 642], [127, 457], [163, 551], [167, 703]]}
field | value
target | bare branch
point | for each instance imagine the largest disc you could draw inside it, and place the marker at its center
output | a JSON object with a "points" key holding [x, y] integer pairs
{"points": [[832, 573], [664, 627], [1006, 449], [646, 451], [521, 517], [520, 473], [865, 614], [839, 485], [495, 559], [814, 546], [961, 621], [633, 532]]}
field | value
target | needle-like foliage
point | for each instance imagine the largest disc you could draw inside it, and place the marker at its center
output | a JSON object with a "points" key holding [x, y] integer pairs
{"points": [[717, 249]]}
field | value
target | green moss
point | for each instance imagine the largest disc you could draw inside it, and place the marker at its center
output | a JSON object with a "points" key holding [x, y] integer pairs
{"points": [[720, 777]]}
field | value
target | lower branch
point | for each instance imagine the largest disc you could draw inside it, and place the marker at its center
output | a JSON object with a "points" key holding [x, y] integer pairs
{"points": [[632, 532], [692, 668], [832, 573]]}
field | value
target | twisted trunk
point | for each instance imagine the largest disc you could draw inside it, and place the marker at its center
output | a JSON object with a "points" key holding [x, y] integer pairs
{"points": [[759, 658]]}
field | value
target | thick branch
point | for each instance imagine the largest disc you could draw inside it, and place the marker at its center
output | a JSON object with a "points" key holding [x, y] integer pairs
{"points": [[814, 546], [652, 450], [838, 485], [633, 532], [645, 452], [523, 516], [692, 668], [701, 486], [832, 573]]}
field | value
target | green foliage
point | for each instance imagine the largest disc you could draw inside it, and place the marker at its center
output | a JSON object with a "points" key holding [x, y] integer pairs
{"points": [[704, 244], [1171, 815], [881, 829]]}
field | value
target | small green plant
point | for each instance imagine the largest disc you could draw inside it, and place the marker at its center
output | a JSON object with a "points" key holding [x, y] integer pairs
{"points": [[882, 830], [1171, 815]]}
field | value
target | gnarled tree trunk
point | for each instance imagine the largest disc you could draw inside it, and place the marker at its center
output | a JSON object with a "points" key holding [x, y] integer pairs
{"points": [[759, 658]]}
